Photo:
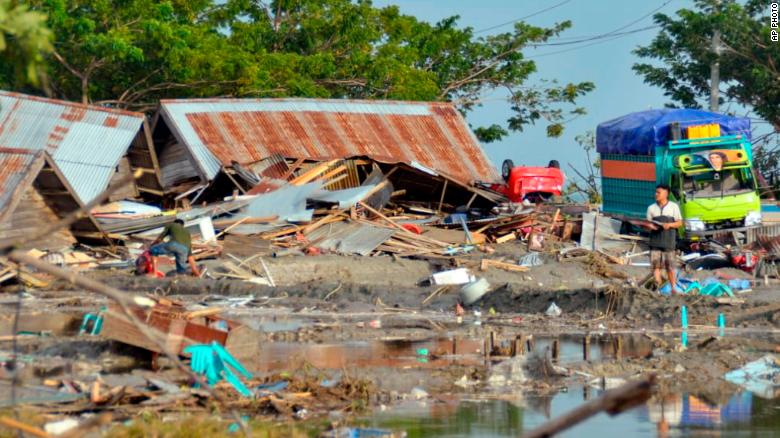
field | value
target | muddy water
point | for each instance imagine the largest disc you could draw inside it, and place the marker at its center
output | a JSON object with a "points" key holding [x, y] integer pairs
{"points": [[681, 415]]}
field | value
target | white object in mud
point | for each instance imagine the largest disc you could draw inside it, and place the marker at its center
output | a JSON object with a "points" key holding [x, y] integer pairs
{"points": [[453, 276], [553, 310], [60, 427], [418, 393], [472, 292]]}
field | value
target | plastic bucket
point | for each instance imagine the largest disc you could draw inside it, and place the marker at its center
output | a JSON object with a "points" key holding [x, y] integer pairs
{"points": [[470, 293]]}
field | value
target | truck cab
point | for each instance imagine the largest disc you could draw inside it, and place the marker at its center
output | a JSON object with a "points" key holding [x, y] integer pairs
{"points": [[713, 181]]}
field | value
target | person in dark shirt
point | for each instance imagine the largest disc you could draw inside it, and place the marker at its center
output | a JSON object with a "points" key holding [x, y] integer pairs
{"points": [[664, 219], [179, 245]]}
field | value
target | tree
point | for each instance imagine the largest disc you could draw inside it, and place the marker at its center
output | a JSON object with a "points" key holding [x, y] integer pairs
{"points": [[24, 39], [749, 60], [132, 53], [343, 48], [586, 185]]}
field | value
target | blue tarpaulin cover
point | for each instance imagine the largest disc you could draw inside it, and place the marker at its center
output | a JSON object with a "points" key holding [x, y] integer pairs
{"points": [[639, 133]]}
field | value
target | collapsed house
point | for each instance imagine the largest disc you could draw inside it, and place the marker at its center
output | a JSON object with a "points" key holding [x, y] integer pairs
{"points": [[34, 193], [92, 146], [425, 148]]}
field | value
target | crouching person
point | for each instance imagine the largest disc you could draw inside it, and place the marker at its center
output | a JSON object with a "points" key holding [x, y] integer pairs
{"points": [[179, 245]]}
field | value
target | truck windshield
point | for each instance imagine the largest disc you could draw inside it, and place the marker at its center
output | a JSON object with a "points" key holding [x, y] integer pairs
{"points": [[713, 184]]}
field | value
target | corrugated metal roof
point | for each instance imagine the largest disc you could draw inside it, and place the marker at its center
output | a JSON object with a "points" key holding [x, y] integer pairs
{"points": [[350, 238], [86, 141], [434, 134], [14, 168]]}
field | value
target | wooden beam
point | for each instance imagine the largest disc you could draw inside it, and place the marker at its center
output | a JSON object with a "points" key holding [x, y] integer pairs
{"points": [[240, 188], [292, 169], [441, 199], [313, 173]]}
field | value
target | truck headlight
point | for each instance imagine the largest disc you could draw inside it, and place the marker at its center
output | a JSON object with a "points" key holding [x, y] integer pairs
{"points": [[753, 218], [695, 224]]}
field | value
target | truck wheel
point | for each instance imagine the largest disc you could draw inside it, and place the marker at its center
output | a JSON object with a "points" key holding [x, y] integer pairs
{"points": [[506, 169]]}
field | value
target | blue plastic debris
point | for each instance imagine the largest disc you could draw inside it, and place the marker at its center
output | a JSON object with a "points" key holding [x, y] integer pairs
{"points": [[761, 377], [235, 427], [217, 364], [273, 387], [716, 290], [684, 317], [739, 284]]}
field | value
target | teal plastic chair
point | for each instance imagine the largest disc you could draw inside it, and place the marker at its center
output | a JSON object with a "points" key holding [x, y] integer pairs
{"points": [[97, 322], [716, 290], [217, 364]]}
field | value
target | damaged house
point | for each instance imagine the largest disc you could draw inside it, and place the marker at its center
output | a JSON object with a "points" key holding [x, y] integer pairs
{"points": [[92, 146], [424, 148], [34, 193]]}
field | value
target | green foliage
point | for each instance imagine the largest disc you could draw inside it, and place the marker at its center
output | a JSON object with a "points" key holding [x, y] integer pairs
{"points": [[749, 60], [24, 39], [131, 53], [587, 184]]}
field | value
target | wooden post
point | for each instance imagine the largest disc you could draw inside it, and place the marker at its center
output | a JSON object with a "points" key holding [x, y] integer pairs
{"points": [[443, 191], [473, 197], [586, 348], [618, 348], [454, 346], [556, 350], [518, 346]]}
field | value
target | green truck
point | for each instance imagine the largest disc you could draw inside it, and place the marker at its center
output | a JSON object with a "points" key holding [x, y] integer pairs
{"points": [[706, 159]]}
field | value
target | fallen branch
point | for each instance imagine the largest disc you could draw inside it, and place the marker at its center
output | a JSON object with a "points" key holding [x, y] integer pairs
{"points": [[612, 402]]}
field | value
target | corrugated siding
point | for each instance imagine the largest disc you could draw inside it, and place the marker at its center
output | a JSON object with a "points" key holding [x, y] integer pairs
{"points": [[220, 131], [13, 169], [85, 141]]}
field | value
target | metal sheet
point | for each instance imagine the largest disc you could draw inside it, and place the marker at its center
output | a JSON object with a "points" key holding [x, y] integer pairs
{"points": [[433, 134], [14, 167], [344, 198], [288, 203], [86, 141], [350, 238]]}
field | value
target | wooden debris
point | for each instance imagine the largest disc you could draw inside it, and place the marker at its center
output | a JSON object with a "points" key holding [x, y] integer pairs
{"points": [[487, 263]]}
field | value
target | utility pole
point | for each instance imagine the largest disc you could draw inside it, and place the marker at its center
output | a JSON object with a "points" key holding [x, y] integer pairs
{"points": [[715, 66], [715, 73]]}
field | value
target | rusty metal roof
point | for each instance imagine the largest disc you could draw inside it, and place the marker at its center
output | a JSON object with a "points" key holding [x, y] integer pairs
{"points": [[85, 141], [434, 134], [16, 166]]}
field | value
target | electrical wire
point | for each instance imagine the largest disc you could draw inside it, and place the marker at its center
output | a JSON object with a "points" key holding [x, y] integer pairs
{"points": [[612, 38], [523, 18]]}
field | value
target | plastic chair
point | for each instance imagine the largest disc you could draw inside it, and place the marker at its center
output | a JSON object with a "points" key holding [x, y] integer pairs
{"points": [[217, 364], [97, 323]]}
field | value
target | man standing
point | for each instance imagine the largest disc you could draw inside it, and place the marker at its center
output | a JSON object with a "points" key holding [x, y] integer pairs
{"points": [[666, 219], [179, 246]]}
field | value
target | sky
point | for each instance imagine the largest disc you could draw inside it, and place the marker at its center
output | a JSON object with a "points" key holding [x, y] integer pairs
{"points": [[608, 65]]}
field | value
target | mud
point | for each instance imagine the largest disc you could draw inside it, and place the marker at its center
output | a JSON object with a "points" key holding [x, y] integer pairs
{"points": [[363, 323]]}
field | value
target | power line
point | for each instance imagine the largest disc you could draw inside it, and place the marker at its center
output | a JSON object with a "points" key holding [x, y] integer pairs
{"points": [[523, 18], [610, 38]]}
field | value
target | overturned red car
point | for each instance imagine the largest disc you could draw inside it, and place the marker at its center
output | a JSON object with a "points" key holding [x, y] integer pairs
{"points": [[535, 184]]}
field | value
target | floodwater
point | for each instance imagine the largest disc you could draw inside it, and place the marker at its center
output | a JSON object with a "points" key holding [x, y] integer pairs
{"points": [[683, 415], [744, 415]]}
